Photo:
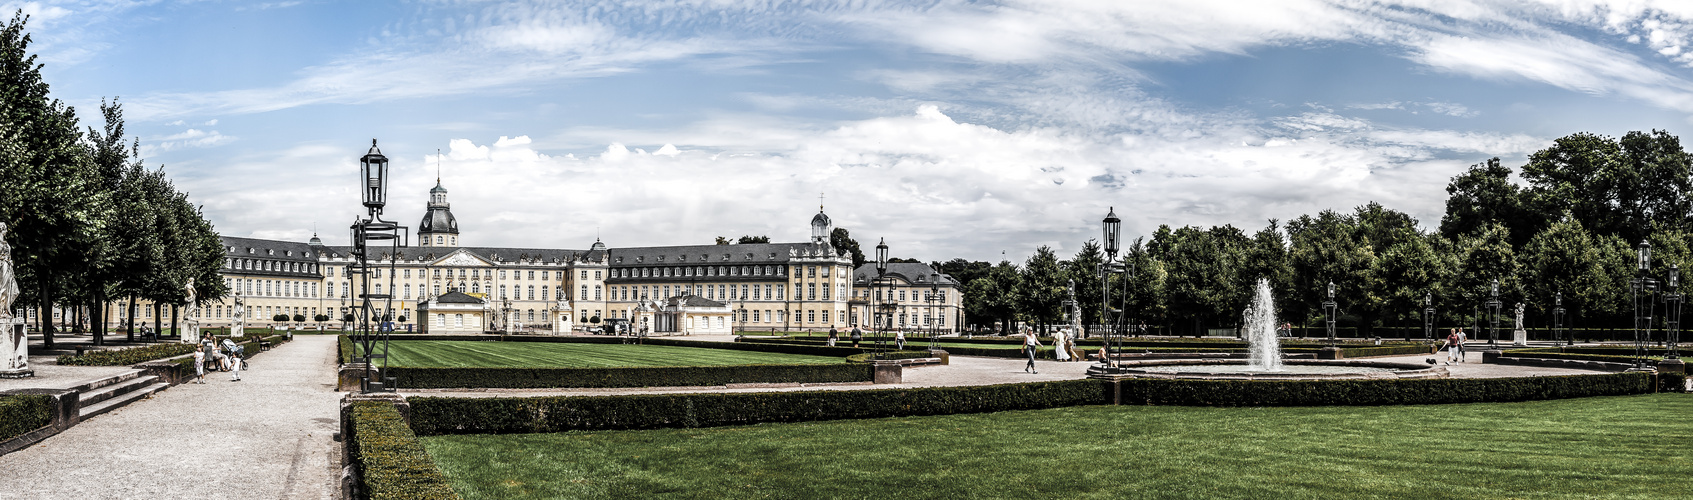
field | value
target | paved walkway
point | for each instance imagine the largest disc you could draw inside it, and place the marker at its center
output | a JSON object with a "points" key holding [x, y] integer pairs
{"points": [[268, 436]]}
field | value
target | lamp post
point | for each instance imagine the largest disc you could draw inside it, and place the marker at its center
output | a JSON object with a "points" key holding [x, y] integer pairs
{"points": [[1112, 318], [885, 306], [1493, 315], [933, 299], [1672, 308], [1329, 307], [1642, 286], [1558, 320], [369, 235], [1428, 316]]}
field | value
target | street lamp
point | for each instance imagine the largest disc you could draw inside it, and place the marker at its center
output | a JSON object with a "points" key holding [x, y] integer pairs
{"points": [[1428, 316], [1558, 319], [1643, 286], [370, 234], [1493, 315], [1328, 312], [933, 299], [1672, 307], [886, 305], [1111, 227]]}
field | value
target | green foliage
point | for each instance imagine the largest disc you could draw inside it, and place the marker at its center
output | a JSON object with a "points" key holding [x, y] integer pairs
{"points": [[521, 354], [322, 318], [842, 240], [126, 357], [1043, 287], [752, 239], [890, 355], [279, 318], [23, 413], [410, 377], [392, 464], [1378, 392], [434, 416]]}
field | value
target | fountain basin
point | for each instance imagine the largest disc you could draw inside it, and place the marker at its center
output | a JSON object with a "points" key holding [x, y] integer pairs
{"points": [[1235, 369]]}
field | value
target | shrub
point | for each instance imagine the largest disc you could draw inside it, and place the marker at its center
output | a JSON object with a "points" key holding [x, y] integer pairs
{"points": [[299, 318], [391, 462], [434, 416], [1672, 382], [279, 317], [890, 355], [23, 413], [320, 318], [125, 357], [643, 376], [1377, 392]]}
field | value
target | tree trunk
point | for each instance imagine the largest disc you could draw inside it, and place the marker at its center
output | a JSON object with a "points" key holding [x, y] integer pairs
{"points": [[175, 324], [97, 325], [158, 319], [44, 321], [130, 332]]}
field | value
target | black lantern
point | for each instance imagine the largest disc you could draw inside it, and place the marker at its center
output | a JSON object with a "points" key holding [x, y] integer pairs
{"points": [[375, 169], [1331, 290], [1645, 256], [882, 257], [1674, 276], [1113, 229]]}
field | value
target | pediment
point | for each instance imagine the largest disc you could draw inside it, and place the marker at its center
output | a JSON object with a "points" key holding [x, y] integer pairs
{"points": [[462, 258]]}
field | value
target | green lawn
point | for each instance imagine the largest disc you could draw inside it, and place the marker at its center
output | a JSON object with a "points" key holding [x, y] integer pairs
{"points": [[1615, 447], [456, 353]]}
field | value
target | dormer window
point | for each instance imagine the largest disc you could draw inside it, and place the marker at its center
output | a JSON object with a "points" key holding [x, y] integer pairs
{"points": [[661, 258], [249, 250]]}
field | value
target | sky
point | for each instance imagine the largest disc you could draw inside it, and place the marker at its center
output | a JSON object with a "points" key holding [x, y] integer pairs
{"points": [[972, 129]]}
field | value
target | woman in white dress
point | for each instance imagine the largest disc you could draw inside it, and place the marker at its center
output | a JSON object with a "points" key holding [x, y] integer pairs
{"points": [[1062, 344]]}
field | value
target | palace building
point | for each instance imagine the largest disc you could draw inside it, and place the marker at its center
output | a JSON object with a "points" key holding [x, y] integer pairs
{"points": [[804, 286]]}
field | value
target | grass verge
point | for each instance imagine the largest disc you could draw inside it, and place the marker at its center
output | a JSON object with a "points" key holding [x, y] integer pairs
{"points": [[471, 354]]}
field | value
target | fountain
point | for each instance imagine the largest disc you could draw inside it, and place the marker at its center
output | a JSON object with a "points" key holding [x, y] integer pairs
{"points": [[1260, 323], [1264, 358]]}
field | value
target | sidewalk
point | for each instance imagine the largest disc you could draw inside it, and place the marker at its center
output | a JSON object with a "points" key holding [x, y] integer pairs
{"points": [[268, 436]]}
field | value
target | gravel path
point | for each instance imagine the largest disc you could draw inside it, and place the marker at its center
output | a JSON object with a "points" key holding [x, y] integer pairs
{"points": [[267, 436]]}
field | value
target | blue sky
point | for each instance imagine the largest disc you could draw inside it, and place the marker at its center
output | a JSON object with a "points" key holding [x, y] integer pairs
{"points": [[953, 129]]}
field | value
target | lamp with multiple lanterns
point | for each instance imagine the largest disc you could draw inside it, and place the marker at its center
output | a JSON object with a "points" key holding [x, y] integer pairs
{"points": [[370, 234], [1643, 285]]}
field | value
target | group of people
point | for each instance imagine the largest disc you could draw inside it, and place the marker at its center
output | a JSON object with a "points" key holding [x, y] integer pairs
{"points": [[1064, 347], [226, 355], [858, 336], [1455, 346]]}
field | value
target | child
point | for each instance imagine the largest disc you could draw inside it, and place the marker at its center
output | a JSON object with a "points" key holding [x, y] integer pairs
{"points": [[234, 359], [199, 364]]}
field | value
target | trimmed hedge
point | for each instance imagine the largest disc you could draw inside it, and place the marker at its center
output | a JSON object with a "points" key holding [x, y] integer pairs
{"points": [[1672, 382], [436, 416], [125, 357], [890, 355], [392, 463], [408, 377], [1179, 392], [23, 413]]}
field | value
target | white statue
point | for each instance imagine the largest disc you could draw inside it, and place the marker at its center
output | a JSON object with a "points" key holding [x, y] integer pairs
{"points": [[14, 344], [1519, 316], [239, 328], [190, 323]]}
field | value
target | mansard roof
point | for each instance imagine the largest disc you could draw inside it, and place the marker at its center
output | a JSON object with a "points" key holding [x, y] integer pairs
{"points": [[692, 255], [268, 249], [456, 297], [912, 273]]}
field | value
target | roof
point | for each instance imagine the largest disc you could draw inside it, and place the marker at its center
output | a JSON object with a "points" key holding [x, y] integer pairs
{"points": [[692, 255], [912, 273], [439, 219], [495, 254], [693, 301], [456, 297], [268, 249], [820, 219], [437, 188]]}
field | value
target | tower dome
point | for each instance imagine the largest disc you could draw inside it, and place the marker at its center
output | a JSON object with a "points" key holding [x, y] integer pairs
{"points": [[439, 228], [820, 227]]}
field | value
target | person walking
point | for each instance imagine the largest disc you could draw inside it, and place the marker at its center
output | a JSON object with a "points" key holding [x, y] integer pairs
{"points": [[1452, 346], [1463, 338], [899, 340], [1030, 342], [857, 335], [833, 335]]}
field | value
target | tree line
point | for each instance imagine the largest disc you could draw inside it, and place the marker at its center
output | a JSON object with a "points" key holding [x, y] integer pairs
{"points": [[1571, 228], [89, 223]]}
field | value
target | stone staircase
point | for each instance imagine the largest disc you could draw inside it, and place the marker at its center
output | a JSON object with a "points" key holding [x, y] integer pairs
{"points": [[107, 394]]}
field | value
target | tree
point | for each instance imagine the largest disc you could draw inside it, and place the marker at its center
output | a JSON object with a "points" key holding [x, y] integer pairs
{"points": [[1614, 187], [1483, 258], [1326, 249], [1203, 267], [842, 240], [1083, 269], [722, 241], [1266, 257], [1481, 196], [52, 201], [1567, 259], [995, 296], [1043, 288], [752, 239], [1411, 270]]}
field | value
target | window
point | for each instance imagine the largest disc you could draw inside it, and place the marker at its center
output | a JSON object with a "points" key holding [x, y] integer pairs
{"points": [[797, 271], [437, 273], [825, 274], [584, 274], [811, 316], [408, 274], [502, 274], [902, 295], [437, 289], [438, 240], [440, 320], [476, 287], [458, 320], [531, 292], [531, 274], [767, 291], [755, 316], [596, 275], [811, 271], [544, 275], [825, 291], [531, 315], [331, 272], [825, 314], [597, 292], [544, 292], [474, 274], [780, 290], [584, 294], [408, 292], [502, 291]]}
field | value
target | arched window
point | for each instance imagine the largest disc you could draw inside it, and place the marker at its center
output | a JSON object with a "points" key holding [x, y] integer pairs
{"points": [[438, 240], [544, 293], [584, 294], [531, 292]]}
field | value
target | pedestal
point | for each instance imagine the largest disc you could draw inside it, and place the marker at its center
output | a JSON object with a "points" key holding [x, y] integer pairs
{"points": [[1491, 355], [1519, 338], [946, 359], [14, 351], [1331, 353], [1672, 366]]}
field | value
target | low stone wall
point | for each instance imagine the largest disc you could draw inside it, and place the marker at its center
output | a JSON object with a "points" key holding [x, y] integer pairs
{"points": [[62, 405]]}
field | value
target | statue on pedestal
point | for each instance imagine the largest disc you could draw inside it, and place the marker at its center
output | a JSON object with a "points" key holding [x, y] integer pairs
{"points": [[239, 328], [190, 322], [14, 344], [1519, 316]]}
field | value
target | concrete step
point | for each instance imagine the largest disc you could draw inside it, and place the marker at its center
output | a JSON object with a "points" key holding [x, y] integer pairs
{"points": [[89, 398], [106, 381], [113, 403]]}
